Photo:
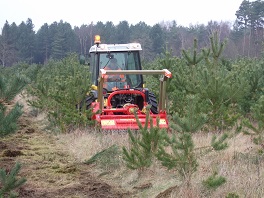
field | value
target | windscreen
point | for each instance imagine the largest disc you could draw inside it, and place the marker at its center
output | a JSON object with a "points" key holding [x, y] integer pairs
{"points": [[121, 61]]}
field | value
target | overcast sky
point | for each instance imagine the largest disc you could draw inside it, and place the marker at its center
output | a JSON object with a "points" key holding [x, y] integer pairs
{"points": [[78, 12]]}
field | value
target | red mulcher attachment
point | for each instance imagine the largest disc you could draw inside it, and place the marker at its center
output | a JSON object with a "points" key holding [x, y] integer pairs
{"points": [[122, 117]]}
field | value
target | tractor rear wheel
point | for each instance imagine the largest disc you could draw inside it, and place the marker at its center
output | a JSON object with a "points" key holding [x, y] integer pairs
{"points": [[153, 102], [88, 101]]}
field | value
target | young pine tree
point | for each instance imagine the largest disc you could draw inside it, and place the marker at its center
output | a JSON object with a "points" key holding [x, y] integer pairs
{"points": [[256, 131], [9, 181], [178, 151], [9, 88], [144, 145], [182, 156]]}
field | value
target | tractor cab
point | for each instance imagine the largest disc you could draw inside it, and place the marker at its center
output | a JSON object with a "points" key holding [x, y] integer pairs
{"points": [[116, 57]]}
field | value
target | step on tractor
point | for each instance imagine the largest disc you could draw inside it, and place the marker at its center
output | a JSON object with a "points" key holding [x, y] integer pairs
{"points": [[118, 91]]}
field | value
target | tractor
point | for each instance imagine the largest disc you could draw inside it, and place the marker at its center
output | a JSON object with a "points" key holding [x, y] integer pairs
{"points": [[118, 96]]}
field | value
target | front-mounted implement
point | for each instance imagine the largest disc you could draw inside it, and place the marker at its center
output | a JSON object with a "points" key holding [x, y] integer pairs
{"points": [[111, 116], [118, 91]]}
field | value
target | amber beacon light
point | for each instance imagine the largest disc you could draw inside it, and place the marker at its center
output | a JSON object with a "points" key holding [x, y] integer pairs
{"points": [[97, 39]]}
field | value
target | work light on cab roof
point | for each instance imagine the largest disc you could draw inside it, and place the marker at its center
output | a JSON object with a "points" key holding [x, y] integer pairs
{"points": [[97, 39], [120, 92]]}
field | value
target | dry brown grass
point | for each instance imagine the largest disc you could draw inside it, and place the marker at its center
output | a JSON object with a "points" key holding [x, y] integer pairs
{"points": [[240, 164], [84, 144], [237, 164]]}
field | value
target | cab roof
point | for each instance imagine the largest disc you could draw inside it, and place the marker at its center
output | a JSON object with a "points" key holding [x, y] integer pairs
{"points": [[115, 47]]}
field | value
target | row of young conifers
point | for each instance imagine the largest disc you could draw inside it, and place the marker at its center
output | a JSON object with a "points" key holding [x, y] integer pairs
{"points": [[207, 93]]}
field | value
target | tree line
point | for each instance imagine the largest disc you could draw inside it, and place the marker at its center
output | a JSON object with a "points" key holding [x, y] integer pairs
{"points": [[55, 41]]}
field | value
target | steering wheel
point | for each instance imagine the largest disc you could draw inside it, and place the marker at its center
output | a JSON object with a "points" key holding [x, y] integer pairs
{"points": [[114, 79]]}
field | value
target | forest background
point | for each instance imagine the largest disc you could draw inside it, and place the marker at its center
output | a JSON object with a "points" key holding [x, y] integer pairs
{"points": [[56, 40]]}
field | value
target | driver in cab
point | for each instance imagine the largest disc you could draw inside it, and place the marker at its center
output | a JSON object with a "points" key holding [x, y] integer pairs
{"points": [[114, 66]]}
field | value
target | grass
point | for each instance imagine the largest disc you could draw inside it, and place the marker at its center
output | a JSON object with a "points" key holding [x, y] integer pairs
{"points": [[56, 158], [240, 164]]}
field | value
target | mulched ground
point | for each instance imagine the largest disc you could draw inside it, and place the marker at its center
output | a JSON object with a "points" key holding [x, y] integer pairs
{"points": [[73, 181]]}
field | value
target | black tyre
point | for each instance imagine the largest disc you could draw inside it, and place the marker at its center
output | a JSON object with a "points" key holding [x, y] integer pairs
{"points": [[88, 101], [153, 102]]}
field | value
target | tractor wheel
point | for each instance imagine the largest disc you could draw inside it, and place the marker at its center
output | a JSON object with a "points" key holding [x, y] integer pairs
{"points": [[153, 102], [88, 101]]}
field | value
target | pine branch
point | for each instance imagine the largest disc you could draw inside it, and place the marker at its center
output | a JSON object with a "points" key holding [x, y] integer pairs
{"points": [[192, 120], [219, 144], [216, 49], [8, 123], [10, 181], [10, 87], [214, 181], [193, 58]]}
